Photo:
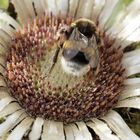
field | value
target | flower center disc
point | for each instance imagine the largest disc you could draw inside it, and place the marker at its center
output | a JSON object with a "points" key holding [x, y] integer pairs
{"points": [[39, 83]]}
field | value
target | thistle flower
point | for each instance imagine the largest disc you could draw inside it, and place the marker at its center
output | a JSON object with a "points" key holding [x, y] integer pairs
{"points": [[66, 67]]}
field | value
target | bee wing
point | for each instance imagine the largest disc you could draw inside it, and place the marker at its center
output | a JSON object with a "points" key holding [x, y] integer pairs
{"points": [[92, 42], [70, 53], [77, 35], [92, 52]]}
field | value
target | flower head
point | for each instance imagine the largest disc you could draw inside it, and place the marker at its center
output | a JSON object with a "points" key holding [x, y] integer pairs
{"points": [[66, 67]]}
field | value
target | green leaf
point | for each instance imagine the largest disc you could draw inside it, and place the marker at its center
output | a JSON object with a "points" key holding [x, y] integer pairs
{"points": [[4, 4]]}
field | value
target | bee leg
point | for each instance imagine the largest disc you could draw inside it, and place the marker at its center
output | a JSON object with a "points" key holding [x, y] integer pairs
{"points": [[55, 58]]}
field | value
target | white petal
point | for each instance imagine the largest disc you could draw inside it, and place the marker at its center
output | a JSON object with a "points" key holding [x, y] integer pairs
{"points": [[36, 129], [23, 116], [20, 130], [52, 7], [9, 109], [84, 131], [69, 133], [58, 7], [116, 15], [98, 6], [5, 101], [8, 29], [73, 6], [2, 57], [125, 17], [84, 8], [129, 102], [132, 81], [129, 36], [102, 130], [3, 50], [126, 29], [131, 54], [62, 6], [130, 27], [2, 82], [77, 133], [117, 124], [5, 38], [3, 93], [24, 10], [29, 6], [122, 42], [40, 6], [130, 91], [134, 36], [5, 18], [2, 70], [9, 123], [4, 44], [131, 59], [129, 39], [133, 70], [53, 131], [107, 11]]}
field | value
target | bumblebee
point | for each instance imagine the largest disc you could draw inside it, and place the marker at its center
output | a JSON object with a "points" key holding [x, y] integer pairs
{"points": [[79, 47]]}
